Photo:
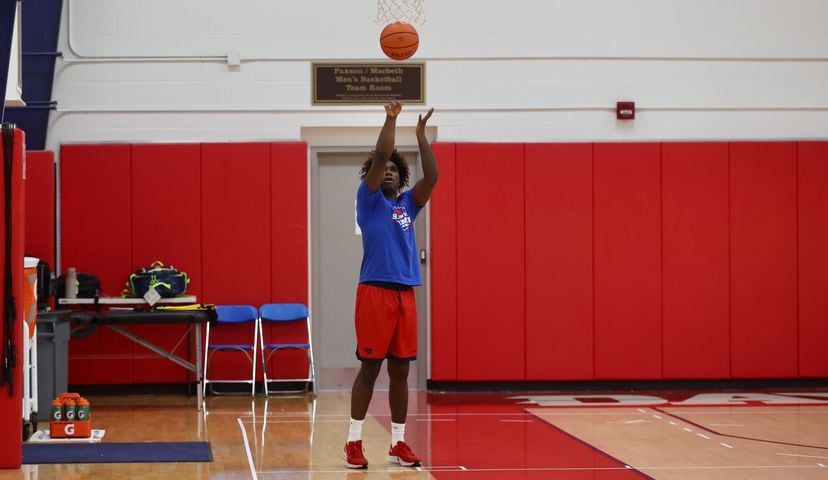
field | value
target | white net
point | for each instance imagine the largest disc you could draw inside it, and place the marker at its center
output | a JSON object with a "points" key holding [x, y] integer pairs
{"points": [[390, 11]]}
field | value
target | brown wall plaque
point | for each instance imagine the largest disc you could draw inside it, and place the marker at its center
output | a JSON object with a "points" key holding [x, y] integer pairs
{"points": [[353, 83]]}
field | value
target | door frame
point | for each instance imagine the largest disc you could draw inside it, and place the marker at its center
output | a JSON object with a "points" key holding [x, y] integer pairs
{"points": [[424, 220]]}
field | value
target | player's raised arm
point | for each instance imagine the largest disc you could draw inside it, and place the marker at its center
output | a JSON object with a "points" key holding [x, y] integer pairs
{"points": [[423, 188], [385, 146]]}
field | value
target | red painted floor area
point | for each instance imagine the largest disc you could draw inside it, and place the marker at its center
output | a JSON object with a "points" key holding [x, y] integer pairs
{"points": [[489, 436]]}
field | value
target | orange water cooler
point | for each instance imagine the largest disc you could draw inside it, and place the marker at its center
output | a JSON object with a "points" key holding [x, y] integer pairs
{"points": [[29, 323]]}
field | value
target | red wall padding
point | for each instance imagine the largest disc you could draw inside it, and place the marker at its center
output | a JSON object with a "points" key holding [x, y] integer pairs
{"points": [[96, 203], [96, 236], [763, 259], [695, 260], [813, 258], [549, 262], [444, 266], [289, 253], [235, 186], [491, 324], [236, 211], [166, 208], [696, 269], [233, 216], [559, 321], [166, 226], [627, 261], [289, 220], [40, 205]]}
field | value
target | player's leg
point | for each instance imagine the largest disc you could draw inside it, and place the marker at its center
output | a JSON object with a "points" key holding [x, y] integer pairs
{"points": [[398, 389], [373, 332], [402, 352], [363, 388]]}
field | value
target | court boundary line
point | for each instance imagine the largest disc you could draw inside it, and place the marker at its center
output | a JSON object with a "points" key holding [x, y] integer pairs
{"points": [[625, 465], [740, 437], [247, 450]]}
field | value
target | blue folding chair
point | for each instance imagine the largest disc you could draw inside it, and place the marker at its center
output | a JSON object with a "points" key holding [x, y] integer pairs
{"points": [[229, 315], [281, 315]]}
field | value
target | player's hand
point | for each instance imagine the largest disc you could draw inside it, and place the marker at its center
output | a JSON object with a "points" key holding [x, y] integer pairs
{"points": [[421, 121], [392, 109]]}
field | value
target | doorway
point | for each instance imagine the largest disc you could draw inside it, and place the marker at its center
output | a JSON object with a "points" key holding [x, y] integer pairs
{"points": [[336, 256]]}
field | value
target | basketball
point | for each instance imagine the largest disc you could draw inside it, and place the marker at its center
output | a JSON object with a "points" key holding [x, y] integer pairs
{"points": [[399, 40]]}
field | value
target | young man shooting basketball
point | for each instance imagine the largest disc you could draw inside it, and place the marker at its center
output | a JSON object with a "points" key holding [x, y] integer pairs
{"points": [[386, 315]]}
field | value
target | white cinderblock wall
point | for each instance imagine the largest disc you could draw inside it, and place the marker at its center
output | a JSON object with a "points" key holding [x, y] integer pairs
{"points": [[516, 71]]}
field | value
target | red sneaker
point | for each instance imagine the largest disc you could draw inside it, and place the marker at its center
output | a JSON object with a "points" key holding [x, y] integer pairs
{"points": [[401, 453], [354, 458]]}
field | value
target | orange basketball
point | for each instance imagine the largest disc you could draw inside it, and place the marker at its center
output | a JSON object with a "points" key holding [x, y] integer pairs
{"points": [[399, 40]]}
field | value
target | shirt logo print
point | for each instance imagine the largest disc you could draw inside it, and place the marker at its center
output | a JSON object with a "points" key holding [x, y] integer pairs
{"points": [[400, 216]]}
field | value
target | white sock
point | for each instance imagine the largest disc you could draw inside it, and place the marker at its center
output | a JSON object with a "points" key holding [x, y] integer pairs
{"points": [[355, 430], [397, 433]]}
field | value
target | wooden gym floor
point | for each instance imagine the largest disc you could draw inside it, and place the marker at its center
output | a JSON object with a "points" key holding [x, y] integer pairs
{"points": [[663, 435]]}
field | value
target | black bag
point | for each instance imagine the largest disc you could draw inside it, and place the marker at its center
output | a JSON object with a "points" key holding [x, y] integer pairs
{"points": [[167, 281], [88, 286]]}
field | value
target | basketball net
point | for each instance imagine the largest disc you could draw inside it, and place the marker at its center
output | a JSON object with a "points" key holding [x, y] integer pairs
{"points": [[390, 11]]}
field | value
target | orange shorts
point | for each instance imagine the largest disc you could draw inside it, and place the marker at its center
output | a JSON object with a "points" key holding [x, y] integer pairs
{"points": [[386, 323]]}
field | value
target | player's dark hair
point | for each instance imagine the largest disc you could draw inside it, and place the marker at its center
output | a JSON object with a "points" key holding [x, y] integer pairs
{"points": [[399, 161]]}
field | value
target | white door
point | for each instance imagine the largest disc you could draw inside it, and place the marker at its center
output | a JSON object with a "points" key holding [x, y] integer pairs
{"points": [[336, 255]]}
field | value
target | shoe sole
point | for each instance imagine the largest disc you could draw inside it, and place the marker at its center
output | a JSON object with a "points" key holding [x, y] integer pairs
{"points": [[353, 466], [403, 463]]}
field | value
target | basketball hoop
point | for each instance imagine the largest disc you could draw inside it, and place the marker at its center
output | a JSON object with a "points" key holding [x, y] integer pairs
{"points": [[389, 11]]}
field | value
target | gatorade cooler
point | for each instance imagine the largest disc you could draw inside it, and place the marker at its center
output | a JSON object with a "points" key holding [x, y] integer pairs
{"points": [[30, 293], [71, 429], [29, 307]]}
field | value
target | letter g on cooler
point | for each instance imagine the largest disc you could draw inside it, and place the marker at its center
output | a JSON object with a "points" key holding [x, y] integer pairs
{"points": [[69, 429]]}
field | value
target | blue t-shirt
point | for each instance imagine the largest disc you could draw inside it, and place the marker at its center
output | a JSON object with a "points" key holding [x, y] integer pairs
{"points": [[389, 249]]}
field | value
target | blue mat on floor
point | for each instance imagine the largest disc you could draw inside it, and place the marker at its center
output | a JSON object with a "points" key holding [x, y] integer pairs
{"points": [[36, 453]]}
